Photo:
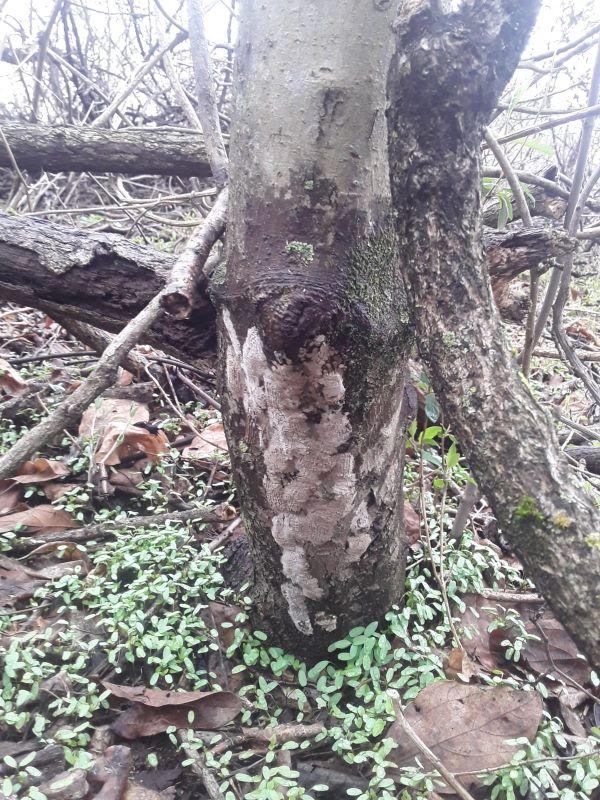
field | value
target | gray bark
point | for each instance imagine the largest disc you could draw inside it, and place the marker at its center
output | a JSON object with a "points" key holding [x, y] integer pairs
{"points": [[132, 151], [312, 335], [441, 98]]}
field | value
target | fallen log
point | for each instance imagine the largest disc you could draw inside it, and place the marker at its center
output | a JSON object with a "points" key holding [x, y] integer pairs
{"points": [[105, 280], [99, 278], [131, 151]]}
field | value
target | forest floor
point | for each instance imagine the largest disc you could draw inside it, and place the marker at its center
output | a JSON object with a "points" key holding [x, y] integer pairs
{"points": [[129, 668]]}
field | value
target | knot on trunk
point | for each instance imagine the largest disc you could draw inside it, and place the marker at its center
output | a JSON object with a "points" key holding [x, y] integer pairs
{"points": [[295, 316]]}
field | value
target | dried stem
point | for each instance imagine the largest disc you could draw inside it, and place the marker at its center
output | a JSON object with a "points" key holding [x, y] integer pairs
{"points": [[105, 530]]}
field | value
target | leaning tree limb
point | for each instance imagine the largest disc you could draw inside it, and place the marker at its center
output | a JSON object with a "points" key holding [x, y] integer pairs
{"points": [[441, 97], [180, 295], [99, 278], [131, 151]]}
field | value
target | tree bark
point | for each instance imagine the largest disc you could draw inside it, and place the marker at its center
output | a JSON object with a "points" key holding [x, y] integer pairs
{"points": [[510, 253], [447, 74], [313, 335], [105, 280], [102, 279], [131, 151]]}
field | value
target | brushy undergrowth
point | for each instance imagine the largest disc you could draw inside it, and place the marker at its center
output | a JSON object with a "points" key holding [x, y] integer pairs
{"points": [[142, 616]]}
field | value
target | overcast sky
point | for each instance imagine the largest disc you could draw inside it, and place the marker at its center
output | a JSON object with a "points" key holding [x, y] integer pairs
{"points": [[555, 17]]}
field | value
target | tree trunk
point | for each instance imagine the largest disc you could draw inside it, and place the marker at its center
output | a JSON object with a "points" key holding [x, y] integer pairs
{"points": [[445, 78], [313, 334], [132, 151]]}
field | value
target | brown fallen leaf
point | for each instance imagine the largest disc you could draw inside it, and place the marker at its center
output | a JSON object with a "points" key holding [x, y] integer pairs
{"points": [[412, 523], [474, 622], [467, 726], [155, 710], [10, 496], [121, 442], [210, 443], [579, 330], [40, 518], [17, 582], [556, 654], [458, 664], [107, 411], [222, 614], [64, 549], [117, 426], [77, 567], [11, 381], [218, 615], [54, 491], [40, 470], [129, 478]]}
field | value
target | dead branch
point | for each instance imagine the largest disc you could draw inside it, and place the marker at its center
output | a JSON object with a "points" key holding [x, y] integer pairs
{"points": [[181, 293], [131, 151], [98, 278], [70, 409], [105, 530]]}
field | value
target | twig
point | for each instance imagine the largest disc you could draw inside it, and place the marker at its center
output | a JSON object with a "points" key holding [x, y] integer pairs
{"points": [[16, 168], [429, 754], [179, 294], [563, 674], [585, 113], [534, 278], [550, 187], [41, 58], [278, 733], [199, 768], [50, 356], [511, 597], [200, 392], [207, 102], [220, 540], [104, 530], [70, 409], [146, 67], [571, 217]]}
